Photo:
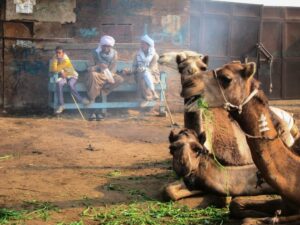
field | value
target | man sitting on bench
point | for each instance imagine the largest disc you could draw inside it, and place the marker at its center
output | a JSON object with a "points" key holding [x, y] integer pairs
{"points": [[145, 68], [64, 73], [102, 76]]}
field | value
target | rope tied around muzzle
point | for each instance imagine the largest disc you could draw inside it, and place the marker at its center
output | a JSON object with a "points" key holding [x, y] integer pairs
{"points": [[229, 106]]}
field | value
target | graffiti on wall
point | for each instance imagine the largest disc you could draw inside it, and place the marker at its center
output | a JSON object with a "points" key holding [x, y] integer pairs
{"points": [[27, 67], [88, 32], [171, 30], [25, 63]]}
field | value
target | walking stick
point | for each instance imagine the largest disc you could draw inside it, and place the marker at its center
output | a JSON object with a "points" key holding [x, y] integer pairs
{"points": [[173, 124], [78, 107]]}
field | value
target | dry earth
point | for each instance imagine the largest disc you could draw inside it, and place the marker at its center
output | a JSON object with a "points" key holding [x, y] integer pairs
{"points": [[48, 159]]}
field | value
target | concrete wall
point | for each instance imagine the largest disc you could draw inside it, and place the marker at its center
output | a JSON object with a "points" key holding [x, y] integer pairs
{"points": [[25, 68]]}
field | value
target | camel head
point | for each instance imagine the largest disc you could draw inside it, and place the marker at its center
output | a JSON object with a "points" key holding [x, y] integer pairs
{"points": [[233, 79], [185, 147], [187, 62]]}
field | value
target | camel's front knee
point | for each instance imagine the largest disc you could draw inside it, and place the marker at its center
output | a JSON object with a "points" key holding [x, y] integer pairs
{"points": [[178, 190]]}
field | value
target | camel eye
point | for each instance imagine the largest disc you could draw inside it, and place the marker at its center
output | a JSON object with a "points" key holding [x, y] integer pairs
{"points": [[181, 68], [175, 147], [172, 148], [195, 147], [224, 80]]}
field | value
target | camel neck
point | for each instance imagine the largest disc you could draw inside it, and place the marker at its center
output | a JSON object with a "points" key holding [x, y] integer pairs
{"points": [[224, 180], [278, 165], [256, 119]]}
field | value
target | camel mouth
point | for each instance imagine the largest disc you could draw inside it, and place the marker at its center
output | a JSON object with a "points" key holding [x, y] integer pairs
{"points": [[192, 103], [190, 182], [163, 60]]}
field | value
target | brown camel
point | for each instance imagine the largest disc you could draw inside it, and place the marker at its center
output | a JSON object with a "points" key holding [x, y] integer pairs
{"points": [[234, 87], [193, 162]]}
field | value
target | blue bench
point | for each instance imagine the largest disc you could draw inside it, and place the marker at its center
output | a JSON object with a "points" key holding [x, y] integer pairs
{"points": [[81, 67]]}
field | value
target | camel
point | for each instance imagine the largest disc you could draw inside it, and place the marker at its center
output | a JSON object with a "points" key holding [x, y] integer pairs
{"points": [[233, 87], [193, 162]]}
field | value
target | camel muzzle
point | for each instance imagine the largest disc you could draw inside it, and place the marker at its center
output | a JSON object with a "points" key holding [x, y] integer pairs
{"points": [[190, 182], [191, 104]]}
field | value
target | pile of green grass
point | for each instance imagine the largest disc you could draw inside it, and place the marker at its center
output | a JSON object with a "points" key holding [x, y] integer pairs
{"points": [[34, 210], [7, 215], [153, 212]]}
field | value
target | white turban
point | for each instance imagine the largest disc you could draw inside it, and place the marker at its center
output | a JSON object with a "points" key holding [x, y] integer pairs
{"points": [[107, 40], [148, 40]]}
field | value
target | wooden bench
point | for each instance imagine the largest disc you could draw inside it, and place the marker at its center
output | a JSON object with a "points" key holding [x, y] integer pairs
{"points": [[105, 103]]}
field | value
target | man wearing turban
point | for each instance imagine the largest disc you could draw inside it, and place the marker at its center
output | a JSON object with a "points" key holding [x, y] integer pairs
{"points": [[102, 76], [145, 67]]}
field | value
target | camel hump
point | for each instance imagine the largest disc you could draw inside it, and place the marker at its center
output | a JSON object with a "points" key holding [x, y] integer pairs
{"points": [[227, 140]]}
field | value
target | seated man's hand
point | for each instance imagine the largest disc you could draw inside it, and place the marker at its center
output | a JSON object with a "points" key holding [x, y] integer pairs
{"points": [[126, 72], [63, 74], [92, 68], [141, 69], [103, 66]]}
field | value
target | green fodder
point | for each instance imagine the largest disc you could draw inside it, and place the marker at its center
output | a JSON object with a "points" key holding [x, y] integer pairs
{"points": [[153, 212], [208, 118], [115, 173], [80, 222], [40, 210], [33, 210], [7, 215]]}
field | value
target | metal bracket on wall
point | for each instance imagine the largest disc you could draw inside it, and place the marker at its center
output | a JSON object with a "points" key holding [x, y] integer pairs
{"points": [[269, 58]]}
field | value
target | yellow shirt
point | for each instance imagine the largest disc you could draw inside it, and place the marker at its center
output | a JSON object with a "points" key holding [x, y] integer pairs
{"points": [[65, 64]]}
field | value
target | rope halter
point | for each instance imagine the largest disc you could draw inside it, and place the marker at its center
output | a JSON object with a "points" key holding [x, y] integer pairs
{"points": [[229, 106]]}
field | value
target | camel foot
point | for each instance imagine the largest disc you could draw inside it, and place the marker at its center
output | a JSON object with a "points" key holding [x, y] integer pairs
{"points": [[254, 206], [204, 201], [177, 190]]}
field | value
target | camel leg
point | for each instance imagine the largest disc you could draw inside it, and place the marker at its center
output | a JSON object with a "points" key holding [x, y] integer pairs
{"points": [[254, 206], [287, 220], [178, 190]]}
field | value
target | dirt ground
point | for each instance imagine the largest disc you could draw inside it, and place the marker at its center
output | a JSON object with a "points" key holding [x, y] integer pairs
{"points": [[69, 162], [50, 159]]}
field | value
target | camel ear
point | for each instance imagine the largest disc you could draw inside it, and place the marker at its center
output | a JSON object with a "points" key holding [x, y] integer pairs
{"points": [[250, 70], [180, 57], [202, 138], [205, 59], [172, 136]]}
